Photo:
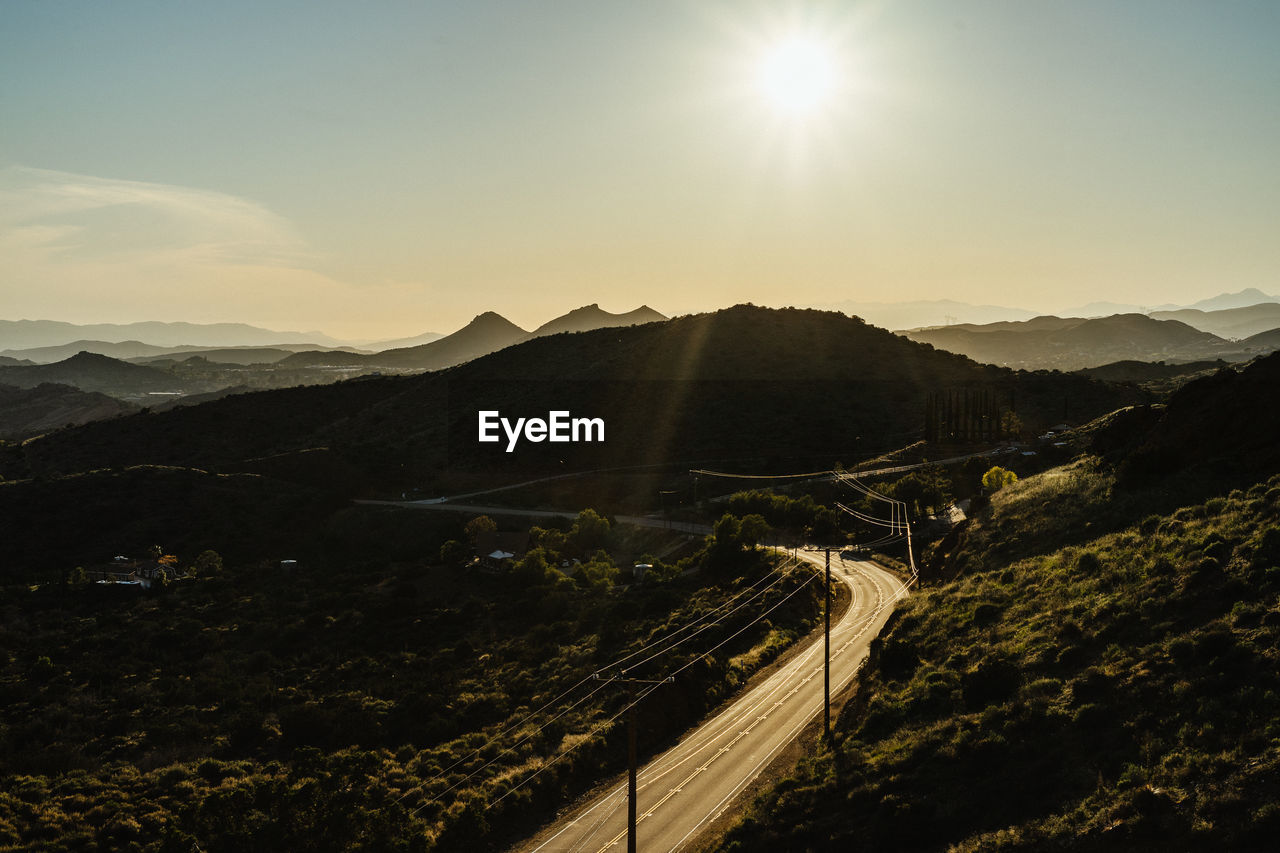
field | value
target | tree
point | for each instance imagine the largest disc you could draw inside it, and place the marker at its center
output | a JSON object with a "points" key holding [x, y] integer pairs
{"points": [[479, 526], [753, 530], [590, 532], [207, 565], [454, 553], [997, 478]]}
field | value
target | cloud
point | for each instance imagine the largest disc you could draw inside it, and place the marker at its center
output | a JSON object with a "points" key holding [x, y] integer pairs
{"points": [[87, 218]]}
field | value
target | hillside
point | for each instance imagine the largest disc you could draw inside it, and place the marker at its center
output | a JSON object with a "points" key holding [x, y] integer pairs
{"points": [[729, 383], [1073, 343], [1232, 323], [741, 388], [486, 333], [1118, 694], [1147, 371], [92, 372], [30, 411], [1100, 674], [1268, 341], [378, 699], [594, 317]]}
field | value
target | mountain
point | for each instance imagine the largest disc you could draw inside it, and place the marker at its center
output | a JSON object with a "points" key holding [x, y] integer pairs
{"points": [[1148, 371], [91, 372], [592, 316], [484, 334], [924, 312], [1234, 323], [401, 343], [1225, 301], [15, 362], [234, 355], [774, 386], [487, 333], [29, 411], [136, 351], [1104, 309], [1221, 427], [1075, 343], [122, 350], [15, 334], [1262, 342]]}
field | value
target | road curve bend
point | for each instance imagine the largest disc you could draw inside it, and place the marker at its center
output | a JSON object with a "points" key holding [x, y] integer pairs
{"points": [[683, 790]]}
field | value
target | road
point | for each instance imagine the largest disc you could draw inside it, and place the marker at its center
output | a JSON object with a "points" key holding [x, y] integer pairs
{"points": [[686, 788]]}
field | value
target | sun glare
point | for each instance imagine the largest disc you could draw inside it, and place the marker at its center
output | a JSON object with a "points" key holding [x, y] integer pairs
{"points": [[797, 76]]}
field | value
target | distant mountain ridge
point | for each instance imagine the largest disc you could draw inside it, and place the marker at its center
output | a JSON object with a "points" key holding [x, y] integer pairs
{"points": [[1072, 343], [92, 372], [25, 334], [592, 316], [486, 333], [1234, 323], [725, 385], [136, 350]]}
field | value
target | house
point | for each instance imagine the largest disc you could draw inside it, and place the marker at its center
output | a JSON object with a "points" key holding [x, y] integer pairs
{"points": [[498, 550]]}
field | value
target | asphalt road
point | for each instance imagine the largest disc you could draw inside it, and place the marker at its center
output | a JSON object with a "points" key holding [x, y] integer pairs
{"points": [[686, 788]]}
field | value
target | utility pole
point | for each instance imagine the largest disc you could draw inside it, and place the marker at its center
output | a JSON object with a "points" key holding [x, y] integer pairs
{"points": [[631, 746], [826, 670]]}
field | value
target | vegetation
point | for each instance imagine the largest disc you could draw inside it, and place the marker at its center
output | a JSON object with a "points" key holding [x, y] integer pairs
{"points": [[1083, 685], [354, 705], [997, 478]]}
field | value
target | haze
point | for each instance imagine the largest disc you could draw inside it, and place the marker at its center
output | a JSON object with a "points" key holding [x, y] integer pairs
{"points": [[383, 169]]}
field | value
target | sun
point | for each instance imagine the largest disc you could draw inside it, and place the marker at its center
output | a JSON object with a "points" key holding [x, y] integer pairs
{"points": [[797, 76]]}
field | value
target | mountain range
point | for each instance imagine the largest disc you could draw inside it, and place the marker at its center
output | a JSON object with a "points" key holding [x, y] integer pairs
{"points": [[774, 386], [138, 351], [1072, 343], [488, 332], [25, 334], [1233, 323], [92, 372]]}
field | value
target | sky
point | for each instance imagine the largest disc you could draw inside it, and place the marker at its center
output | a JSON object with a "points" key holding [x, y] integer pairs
{"points": [[383, 169]]}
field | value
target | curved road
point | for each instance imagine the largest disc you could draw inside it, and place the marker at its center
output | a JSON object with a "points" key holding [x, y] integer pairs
{"points": [[682, 791]]}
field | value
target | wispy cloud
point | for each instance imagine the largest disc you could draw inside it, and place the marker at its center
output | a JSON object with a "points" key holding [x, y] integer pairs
{"points": [[89, 249], [96, 218]]}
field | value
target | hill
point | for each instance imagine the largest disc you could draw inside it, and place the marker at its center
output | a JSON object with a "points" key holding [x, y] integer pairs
{"points": [[1101, 674], [486, 333], [91, 372], [377, 699], [1268, 341], [1119, 693], [924, 312], [1226, 301], [594, 317], [1233, 323], [401, 343], [29, 411], [1218, 429], [744, 388], [1072, 343], [238, 355], [16, 334], [1147, 371]]}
